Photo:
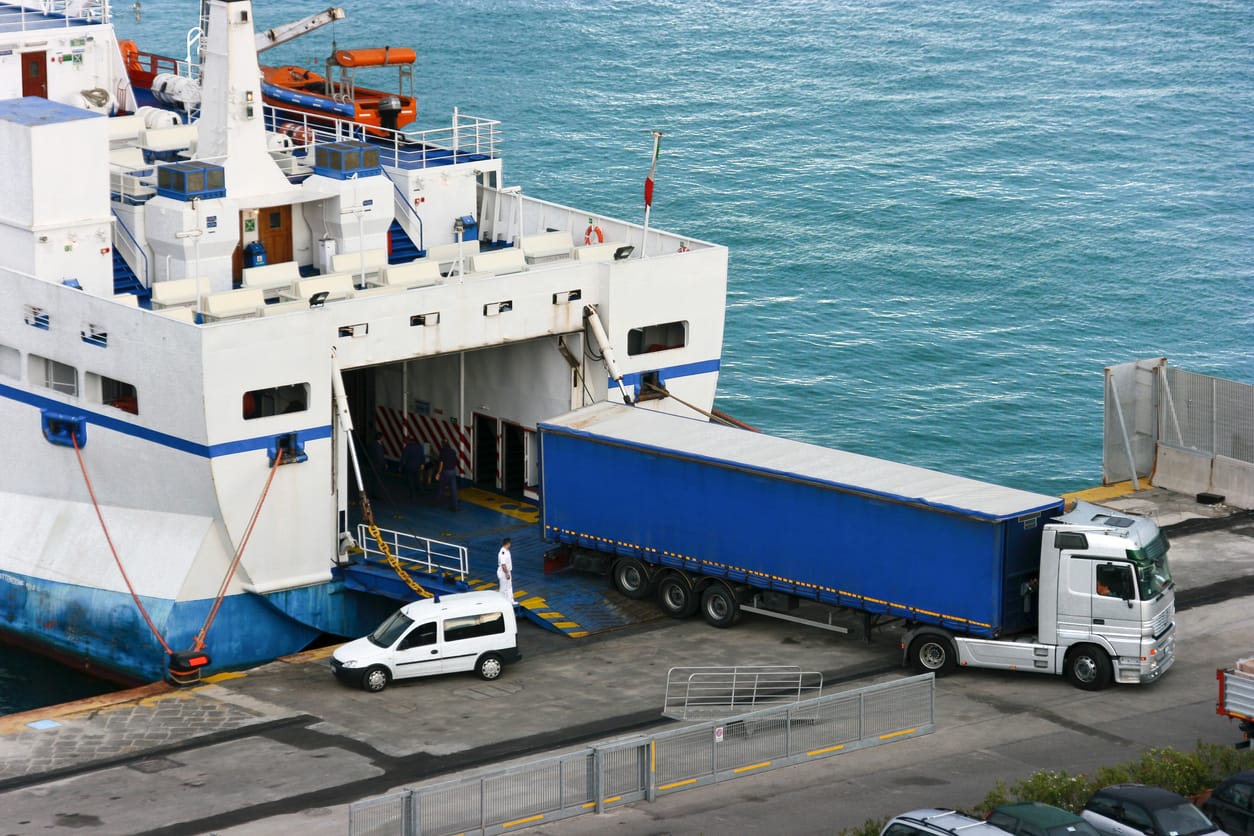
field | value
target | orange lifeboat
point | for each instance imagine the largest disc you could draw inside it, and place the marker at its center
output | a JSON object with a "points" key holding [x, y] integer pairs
{"points": [[385, 57]]}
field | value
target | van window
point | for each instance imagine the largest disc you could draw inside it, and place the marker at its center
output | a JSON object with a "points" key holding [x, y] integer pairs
{"points": [[421, 635], [472, 626]]}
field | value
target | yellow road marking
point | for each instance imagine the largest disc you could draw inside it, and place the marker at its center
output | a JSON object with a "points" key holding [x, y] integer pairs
{"points": [[751, 767]]}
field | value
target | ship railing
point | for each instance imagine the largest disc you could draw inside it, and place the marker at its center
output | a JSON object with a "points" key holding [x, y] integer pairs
{"points": [[52, 14], [465, 139], [423, 554], [507, 215], [131, 250]]}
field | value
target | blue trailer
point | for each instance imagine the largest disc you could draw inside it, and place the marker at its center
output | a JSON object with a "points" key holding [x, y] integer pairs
{"points": [[724, 520]]}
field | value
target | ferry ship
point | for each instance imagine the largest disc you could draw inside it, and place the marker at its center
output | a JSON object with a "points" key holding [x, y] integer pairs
{"points": [[205, 313]]}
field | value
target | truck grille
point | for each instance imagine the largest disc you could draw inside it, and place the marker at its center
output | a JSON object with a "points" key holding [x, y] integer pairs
{"points": [[1163, 621]]}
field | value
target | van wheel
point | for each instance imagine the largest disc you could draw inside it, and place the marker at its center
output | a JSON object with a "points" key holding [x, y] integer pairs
{"points": [[676, 597], [489, 666], [631, 578], [933, 653], [1088, 668], [376, 679], [719, 607]]}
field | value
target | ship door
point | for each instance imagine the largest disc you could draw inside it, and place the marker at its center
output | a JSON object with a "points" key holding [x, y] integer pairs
{"points": [[513, 459], [35, 74], [485, 450], [272, 228]]}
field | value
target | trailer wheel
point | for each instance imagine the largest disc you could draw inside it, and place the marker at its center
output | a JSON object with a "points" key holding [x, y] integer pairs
{"points": [[933, 653], [631, 578], [1088, 668], [719, 606], [676, 597]]}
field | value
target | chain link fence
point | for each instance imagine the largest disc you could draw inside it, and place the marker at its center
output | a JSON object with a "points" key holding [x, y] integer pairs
{"points": [[640, 768]]}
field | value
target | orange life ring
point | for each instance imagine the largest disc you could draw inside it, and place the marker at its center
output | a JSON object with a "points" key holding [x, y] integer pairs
{"points": [[593, 230]]}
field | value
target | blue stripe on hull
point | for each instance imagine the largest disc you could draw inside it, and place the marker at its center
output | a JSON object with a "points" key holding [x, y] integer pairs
{"points": [[102, 631]]}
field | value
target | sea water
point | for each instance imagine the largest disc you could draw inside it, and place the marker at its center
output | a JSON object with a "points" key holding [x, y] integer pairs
{"points": [[943, 220]]}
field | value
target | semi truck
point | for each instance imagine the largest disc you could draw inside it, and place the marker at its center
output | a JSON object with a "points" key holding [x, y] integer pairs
{"points": [[1236, 697], [724, 520]]}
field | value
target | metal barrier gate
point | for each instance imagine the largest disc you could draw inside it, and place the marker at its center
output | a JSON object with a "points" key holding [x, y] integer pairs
{"points": [[1190, 432], [623, 771]]}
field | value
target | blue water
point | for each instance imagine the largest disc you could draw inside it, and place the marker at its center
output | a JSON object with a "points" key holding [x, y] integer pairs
{"points": [[943, 219]]}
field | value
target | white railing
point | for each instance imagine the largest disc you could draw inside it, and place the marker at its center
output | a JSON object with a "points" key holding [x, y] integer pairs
{"points": [[421, 554], [52, 13]]}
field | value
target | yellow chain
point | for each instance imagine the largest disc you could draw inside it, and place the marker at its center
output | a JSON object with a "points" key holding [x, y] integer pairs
{"points": [[393, 561]]}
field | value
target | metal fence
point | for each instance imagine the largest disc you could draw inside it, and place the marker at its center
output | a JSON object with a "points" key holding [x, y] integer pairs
{"points": [[707, 693], [623, 771], [1189, 432]]}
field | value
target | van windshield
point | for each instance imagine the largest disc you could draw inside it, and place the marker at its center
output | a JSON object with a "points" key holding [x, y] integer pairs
{"points": [[386, 634]]}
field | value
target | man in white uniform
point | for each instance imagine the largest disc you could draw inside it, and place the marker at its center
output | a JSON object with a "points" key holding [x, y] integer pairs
{"points": [[505, 571]]}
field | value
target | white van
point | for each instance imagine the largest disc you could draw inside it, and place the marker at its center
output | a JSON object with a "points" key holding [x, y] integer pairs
{"points": [[466, 631]]}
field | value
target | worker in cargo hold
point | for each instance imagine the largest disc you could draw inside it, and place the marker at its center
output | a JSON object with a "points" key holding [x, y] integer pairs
{"points": [[505, 570], [412, 460], [447, 474]]}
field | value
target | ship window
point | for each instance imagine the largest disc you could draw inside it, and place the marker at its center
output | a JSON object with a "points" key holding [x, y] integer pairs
{"points": [[114, 393], [56, 376], [95, 335], [657, 338], [10, 362], [276, 220], [277, 400], [36, 317]]}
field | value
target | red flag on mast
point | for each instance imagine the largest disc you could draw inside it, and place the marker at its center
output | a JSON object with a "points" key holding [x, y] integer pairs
{"points": [[648, 181]]}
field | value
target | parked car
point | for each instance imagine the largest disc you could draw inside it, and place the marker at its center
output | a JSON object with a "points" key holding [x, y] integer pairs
{"points": [[933, 822], [1231, 805], [466, 631], [1032, 818], [1138, 810]]}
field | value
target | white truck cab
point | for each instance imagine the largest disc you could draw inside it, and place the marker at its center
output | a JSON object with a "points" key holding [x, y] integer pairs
{"points": [[446, 634]]}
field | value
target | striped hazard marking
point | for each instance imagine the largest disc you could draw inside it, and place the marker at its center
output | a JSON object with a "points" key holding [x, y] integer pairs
{"points": [[538, 610]]}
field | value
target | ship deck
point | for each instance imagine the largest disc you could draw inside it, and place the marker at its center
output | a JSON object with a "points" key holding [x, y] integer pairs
{"points": [[573, 603]]}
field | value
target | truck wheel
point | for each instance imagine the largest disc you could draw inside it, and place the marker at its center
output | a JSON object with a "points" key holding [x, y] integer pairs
{"points": [[676, 597], [1088, 667], [489, 666], [933, 653], [375, 679], [631, 578], [719, 606]]}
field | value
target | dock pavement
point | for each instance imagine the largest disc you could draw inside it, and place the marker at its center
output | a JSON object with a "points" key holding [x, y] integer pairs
{"points": [[285, 747]]}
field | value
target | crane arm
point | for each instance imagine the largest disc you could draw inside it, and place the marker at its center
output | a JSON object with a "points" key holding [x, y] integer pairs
{"points": [[289, 31]]}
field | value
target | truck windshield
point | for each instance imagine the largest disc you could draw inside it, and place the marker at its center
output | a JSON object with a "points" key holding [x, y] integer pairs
{"points": [[1152, 573], [386, 634]]}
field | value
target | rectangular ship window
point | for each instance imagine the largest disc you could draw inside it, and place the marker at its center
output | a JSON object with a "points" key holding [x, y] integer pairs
{"points": [[10, 362], [114, 393], [56, 376], [277, 400], [657, 338], [36, 317], [95, 335]]}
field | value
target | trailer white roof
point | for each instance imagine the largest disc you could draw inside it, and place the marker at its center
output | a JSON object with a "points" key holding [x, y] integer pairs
{"points": [[795, 459]]}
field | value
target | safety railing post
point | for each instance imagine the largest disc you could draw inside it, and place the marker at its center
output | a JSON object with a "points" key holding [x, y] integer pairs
{"points": [[409, 814], [598, 780], [650, 787]]}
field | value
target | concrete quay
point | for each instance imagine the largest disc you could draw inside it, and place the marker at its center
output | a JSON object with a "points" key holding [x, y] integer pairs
{"points": [[286, 748]]}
